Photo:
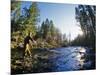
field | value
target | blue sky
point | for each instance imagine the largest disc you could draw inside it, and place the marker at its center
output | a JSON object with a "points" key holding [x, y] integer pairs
{"points": [[63, 16]]}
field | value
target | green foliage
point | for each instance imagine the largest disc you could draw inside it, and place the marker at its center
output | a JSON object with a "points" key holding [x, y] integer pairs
{"points": [[50, 34], [15, 14], [22, 24], [25, 20], [31, 18]]}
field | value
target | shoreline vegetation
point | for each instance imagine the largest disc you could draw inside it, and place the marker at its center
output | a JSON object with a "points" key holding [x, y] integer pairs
{"points": [[47, 37]]}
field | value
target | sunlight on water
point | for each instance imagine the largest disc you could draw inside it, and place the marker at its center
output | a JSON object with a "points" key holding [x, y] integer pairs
{"points": [[83, 50], [71, 58]]}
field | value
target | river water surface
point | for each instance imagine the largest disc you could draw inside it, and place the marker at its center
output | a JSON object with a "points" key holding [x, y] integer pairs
{"points": [[72, 58]]}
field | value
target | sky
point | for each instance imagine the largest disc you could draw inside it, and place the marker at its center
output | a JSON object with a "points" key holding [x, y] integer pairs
{"points": [[62, 15]]}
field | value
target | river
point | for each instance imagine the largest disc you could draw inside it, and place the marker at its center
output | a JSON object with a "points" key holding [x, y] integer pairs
{"points": [[72, 58]]}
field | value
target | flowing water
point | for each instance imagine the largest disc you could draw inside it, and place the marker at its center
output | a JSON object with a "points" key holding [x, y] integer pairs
{"points": [[72, 58]]}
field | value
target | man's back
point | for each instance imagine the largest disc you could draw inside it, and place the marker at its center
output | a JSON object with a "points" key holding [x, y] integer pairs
{"points": [[26, 40]]}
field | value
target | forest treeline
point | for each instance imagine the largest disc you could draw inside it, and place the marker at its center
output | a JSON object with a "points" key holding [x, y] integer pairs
{"points": [[46, 35], [86, 17], [25, 20]]}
